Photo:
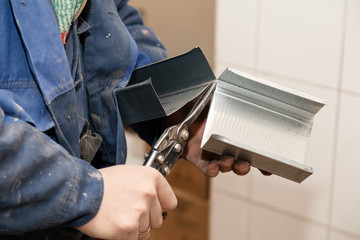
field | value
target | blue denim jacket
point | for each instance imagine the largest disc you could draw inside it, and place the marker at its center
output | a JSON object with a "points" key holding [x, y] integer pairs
{"points": [[46, 88]]}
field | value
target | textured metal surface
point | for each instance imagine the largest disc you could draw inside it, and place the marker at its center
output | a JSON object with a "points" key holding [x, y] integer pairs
{"points": [[263, 123]]}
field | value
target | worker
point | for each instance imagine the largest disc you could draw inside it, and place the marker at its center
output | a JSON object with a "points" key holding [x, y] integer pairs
{"points": [[62, 142]]}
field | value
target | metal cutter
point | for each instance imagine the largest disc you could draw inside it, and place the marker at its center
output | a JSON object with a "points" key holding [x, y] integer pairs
{"points": [[169, 147]]}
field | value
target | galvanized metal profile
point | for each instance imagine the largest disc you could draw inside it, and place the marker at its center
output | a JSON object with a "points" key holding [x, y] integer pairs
{"points": [[261, 122]]}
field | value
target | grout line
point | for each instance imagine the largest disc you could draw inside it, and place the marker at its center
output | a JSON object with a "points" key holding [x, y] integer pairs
{"points": [[263, 74], [337, 123], [258, 3], [272, 208], [349, 93], [297, 80], [345, 233], [250, 208]]}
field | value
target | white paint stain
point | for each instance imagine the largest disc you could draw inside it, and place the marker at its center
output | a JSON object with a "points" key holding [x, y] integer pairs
{"points": [[18, 197], [85, 195], [95, 175], [145, 32]]}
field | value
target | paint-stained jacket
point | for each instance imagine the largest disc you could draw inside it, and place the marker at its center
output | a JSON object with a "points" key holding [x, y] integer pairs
{"points": [[50, 94]]}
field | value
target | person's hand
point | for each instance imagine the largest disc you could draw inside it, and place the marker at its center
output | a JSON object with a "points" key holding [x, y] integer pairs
{"points": [[209, 163], [133, 202]]}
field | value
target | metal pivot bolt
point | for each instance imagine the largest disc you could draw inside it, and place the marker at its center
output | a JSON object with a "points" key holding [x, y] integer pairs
{"points": [[177, 147], [184, 135], [166, 170], [160, 159]]}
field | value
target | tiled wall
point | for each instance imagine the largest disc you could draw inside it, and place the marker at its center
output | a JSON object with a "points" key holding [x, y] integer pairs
{"points": [[312, 46]]}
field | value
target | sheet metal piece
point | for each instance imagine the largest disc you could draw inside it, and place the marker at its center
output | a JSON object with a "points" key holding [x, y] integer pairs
{"points": [[261, 122], [160, 89]]}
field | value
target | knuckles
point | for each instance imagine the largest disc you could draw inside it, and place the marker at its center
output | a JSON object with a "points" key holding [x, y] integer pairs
{"points": [[127, 228]]}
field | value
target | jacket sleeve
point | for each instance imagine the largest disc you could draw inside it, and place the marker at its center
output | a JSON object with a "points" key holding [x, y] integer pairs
{"points": [[41, 185]]}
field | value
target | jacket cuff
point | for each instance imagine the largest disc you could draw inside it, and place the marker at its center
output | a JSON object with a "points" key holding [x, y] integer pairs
{"points": [[87, 194]]}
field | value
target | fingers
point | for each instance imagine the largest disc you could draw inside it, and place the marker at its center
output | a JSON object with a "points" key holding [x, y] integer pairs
{"points": [[222, 164], [265, 173], [226, 163], [212, 169], [134, 199], [165, 199], [144, 223], [142, 235], [166, 195], [156, 219], [241, 167]]}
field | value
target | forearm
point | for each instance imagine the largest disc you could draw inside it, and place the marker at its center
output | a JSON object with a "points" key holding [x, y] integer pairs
{"points": [[41, 185]]}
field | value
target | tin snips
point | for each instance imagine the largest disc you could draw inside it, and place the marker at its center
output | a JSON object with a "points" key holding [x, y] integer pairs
{"points": [[170, 145]]}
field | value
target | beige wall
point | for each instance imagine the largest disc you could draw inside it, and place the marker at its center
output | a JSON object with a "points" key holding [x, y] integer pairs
{"points": [[181, 25]]}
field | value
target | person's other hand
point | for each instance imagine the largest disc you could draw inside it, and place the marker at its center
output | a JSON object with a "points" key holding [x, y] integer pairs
{"points": [[133, 202], [209, 163]]}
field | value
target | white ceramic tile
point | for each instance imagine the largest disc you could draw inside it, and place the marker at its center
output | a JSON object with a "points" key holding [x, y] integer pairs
{"points": [[302, 39], [266, 224], [235, 31], [310, 199], [346, 208], [231, 183], [228, 218], [339, 236], [351, 71]]}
